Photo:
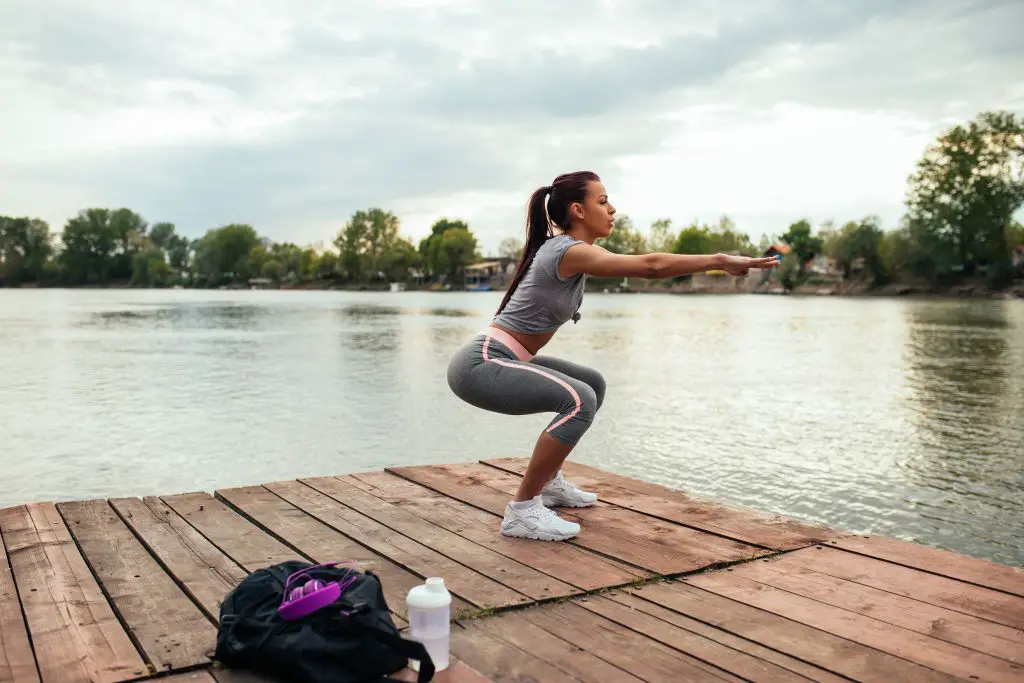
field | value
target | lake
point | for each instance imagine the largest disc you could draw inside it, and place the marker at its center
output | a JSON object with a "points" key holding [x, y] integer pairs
{"points": [[886, 416]]}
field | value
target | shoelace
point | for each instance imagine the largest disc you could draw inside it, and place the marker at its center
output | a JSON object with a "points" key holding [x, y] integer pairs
{"points": [[546, 514]]}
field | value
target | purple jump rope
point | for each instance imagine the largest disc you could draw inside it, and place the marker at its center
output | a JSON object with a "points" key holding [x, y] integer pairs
{"points": [[313, 595]]}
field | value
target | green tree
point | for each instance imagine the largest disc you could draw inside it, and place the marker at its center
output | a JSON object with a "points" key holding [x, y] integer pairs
{"points": [[327, 265], [430, 246], [803, 243], [150, 269], [272, 269], [25, 250], [366, 236], [222, 254], [963, 194], [859, 240], [624, 238], [457, 249], [661, 237], [726, 239], [694, 239], [400, 258], [790, 270]]}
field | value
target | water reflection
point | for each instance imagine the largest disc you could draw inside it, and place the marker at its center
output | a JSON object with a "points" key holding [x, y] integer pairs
{"points": [[966, 404]]}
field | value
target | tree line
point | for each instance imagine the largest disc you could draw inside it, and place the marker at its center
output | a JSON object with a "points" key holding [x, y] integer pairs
{"points": [[101, 246], [958, 223], [959, 220]]}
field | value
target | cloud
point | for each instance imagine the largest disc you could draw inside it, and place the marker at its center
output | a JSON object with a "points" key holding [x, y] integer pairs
{"points": [[294, 114]]}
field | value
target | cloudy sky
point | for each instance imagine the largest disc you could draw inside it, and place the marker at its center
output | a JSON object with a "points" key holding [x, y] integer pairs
{"points": [[291, 114]]}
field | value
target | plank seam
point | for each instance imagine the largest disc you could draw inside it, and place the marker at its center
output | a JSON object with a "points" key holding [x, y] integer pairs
{"points": [[398, 508], [898, 628], [648, 637], [825, 571], [571, 541], [445, 497], [206, 536], [889, 624], [263, 527], [103, 589], [700, 635], [442, 554], [809, 542], [743, 637], [163, 565], [832, 544], [500, 636], [21, 608]]}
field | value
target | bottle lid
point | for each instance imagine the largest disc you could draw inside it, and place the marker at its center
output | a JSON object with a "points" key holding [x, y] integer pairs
{"points": [[429, 595]]}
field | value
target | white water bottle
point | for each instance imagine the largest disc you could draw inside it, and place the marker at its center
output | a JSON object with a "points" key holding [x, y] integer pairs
{"points": [[429, 607]]}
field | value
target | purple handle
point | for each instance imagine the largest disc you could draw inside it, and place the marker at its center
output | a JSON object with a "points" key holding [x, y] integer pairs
{"points": [[297, 574]]}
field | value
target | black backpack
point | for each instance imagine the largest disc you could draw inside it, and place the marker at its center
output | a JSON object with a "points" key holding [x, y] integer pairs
{"points": [[324, 647]]}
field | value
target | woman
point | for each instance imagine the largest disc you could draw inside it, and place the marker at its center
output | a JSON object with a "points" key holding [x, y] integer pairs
{"points": [[499, 370]]}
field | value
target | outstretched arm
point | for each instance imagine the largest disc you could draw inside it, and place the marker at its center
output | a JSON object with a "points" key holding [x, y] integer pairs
{"points": [[593, 260]]}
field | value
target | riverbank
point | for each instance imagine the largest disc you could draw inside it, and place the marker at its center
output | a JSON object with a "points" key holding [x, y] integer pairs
{"points": [[967, 290]]}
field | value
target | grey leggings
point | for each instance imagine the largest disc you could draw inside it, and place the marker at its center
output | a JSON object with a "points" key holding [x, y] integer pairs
{"points": [[487, 374]]}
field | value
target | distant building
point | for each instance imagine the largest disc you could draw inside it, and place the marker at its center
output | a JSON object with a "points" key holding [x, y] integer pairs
{"points": [[489, 275]]}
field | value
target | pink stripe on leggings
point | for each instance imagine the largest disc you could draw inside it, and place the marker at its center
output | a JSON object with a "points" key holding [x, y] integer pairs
{"points": [[565, 385]]}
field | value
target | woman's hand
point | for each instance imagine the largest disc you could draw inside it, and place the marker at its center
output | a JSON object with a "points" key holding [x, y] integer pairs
{"points": [[739, 265]]}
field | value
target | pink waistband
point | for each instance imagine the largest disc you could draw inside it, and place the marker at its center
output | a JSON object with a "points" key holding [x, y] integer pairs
{"points": [[508, 340]]}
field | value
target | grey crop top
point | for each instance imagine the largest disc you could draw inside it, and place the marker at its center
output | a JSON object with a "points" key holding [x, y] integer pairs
{"points": [[544, 300]]}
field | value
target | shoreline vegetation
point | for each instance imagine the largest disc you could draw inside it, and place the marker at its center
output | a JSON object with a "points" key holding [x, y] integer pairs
{"points": [[957, 238]]}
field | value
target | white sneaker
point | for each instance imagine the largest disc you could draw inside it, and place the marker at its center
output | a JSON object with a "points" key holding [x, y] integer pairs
{"points": [[560, 493], [537, 522]]}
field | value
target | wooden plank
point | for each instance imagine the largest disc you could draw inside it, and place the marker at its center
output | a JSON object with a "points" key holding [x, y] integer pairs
{"points": [[74, 631], [937, 622], [929, 652], [17, 662], [793, 638], [321, 543], [572, 564], [205, 573], [237, 537], [937, 561], [621, 647], [966, 598], [513, 629], [516, 575], [169, 628], [504, 662], [705, 649], [473, 587], [748, 526], [739, 647], [628, 536]]}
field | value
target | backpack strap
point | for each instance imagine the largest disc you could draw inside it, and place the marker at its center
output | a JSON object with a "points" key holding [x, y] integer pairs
{"points": [[411, 649]]}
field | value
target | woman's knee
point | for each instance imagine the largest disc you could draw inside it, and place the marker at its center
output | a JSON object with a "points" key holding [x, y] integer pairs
{"points": [[599, 386], [571, 424]]}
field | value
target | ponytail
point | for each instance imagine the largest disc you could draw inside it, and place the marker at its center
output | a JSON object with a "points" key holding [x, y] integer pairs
{"points": [[565, 190], [538, 231]]}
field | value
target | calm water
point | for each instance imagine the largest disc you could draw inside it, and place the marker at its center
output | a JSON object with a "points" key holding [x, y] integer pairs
{"points": [[895, 417]]}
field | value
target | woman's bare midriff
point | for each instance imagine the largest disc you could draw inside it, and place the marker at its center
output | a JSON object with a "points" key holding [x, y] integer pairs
{"points": [[531, 342]]}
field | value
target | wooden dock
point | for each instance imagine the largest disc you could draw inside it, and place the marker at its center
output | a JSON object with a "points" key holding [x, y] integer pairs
{"points": [[659, 586]]}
